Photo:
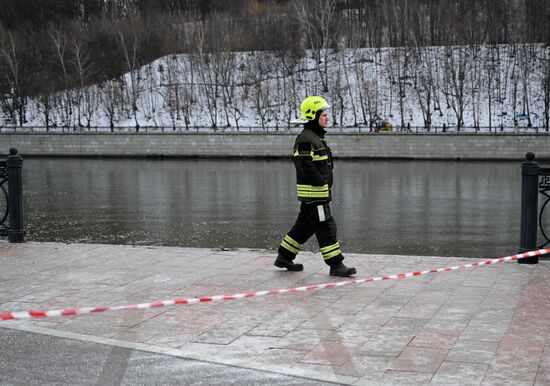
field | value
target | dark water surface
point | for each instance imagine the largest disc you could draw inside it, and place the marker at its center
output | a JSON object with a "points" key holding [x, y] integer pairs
{"points": [[394, 207]]}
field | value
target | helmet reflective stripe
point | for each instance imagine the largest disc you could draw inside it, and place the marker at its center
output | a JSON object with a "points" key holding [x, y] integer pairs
{"points": [[311, 105]]}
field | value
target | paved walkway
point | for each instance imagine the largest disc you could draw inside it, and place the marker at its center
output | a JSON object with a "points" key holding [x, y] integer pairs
{"points": [[480, 326]]}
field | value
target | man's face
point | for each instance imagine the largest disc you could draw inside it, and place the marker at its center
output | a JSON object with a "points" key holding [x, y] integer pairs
{"points": [[323, 119]]}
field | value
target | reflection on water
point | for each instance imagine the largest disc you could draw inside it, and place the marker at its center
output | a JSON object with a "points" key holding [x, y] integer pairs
{"points": [[406, 207]]}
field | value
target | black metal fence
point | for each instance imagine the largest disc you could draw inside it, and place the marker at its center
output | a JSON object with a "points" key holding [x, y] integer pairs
{"points": [[11, 198], [283, 128]]}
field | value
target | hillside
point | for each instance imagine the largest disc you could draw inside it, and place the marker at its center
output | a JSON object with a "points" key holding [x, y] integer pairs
{"points": [[502, 87]]}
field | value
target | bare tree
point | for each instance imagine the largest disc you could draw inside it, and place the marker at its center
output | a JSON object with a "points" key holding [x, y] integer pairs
{"points": [[128, 41], [457, 71], [373, 103], [169, 88], [489, 69], [150, 94], [423, 82], [339, 91], [321, 26], [186, 102], [111, 100], [343, 68], [261, 91], [202, 61], [526, 59], [475, 80], [399, 65], [515, 77], [86, 98], [226, 64], [59, 41], [187, 97], [14, 100], [292, 96]]}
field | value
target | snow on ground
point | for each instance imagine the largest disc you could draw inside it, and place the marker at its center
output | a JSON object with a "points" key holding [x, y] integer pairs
{"points": [[262, 91]]}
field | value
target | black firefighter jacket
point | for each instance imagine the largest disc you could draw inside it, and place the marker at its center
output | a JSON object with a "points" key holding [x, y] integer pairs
{"points": [[313, 162]]}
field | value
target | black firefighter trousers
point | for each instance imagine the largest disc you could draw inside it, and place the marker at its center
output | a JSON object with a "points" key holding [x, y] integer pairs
{"points": [[314, 218]]}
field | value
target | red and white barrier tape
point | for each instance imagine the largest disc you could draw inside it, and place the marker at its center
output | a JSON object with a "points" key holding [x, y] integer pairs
{"points": [[312, 287]]}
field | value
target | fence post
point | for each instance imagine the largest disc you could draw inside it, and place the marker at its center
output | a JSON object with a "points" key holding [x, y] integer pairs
{"points": [[529, 207], [14, 164]]}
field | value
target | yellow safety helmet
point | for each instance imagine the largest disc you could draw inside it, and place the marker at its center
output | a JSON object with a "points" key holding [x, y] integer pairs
{"points": [[311, 105]]}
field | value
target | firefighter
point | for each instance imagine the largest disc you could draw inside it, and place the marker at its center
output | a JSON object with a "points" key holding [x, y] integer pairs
{"points": [[313, 162]]}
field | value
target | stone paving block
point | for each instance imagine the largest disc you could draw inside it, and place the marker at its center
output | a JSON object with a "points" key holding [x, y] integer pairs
{"points": [[419, 309], [393, 377], [260, 349], [434, 338], [222, 335], [469, 292], [398, 324], [345, 306], [302, 339], [352, 336], [366, 367], [326, 321], [275, 329], [387, 343], [485, 331], [524, 342], [185, 322], [45, 297], [388, 304], [331, 353], [472, 351], [359, 329], [410, 286], [506, 288], [82, 325], [447, 280], [456, 373], [485, 276], [488, 325], [445, 320], [128, 319], [500, 301], [17, 306], [368, 320], [303, 310], [510, 369], [415, 359], [362, 294]]}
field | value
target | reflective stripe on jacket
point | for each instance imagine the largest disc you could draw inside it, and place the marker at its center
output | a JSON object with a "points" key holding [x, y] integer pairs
{"points": [[313, 162]]}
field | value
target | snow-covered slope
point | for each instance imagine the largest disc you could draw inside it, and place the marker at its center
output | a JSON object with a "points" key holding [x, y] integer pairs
{"points": [[497, 86]]}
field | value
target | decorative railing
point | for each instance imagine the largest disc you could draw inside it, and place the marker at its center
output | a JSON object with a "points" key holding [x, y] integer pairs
{"points": [[11, 197]]}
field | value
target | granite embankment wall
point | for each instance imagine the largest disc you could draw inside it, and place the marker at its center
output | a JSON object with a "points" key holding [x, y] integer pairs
{"points": [[372, 145]]}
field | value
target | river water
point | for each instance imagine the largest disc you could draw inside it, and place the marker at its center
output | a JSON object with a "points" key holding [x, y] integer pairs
{"points": [[436, 208]]}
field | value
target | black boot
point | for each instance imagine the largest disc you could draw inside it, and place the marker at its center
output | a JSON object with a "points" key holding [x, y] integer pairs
{"points": [[341, 270], [282, 263]]}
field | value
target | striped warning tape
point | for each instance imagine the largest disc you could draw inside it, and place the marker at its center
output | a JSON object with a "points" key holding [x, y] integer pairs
{"points": [[313, 287]]}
